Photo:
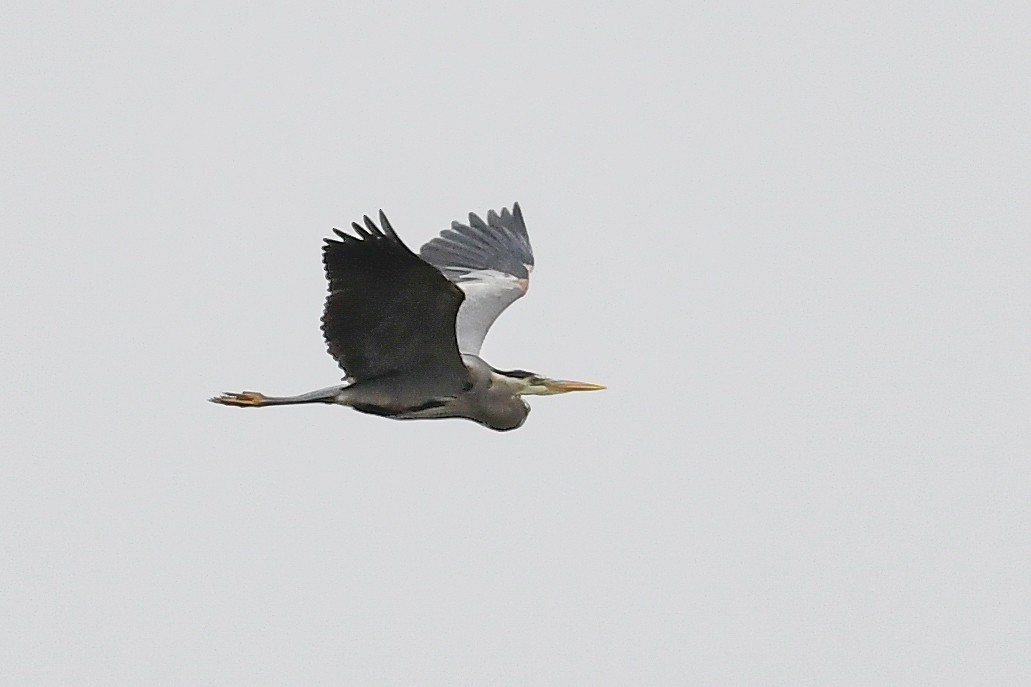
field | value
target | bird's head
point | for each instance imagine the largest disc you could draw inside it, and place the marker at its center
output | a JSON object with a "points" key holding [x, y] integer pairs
{"points": [[532, 384]]}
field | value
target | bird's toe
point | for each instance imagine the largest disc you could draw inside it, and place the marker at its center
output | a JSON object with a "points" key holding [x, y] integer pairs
{"points": [[244, 399]]}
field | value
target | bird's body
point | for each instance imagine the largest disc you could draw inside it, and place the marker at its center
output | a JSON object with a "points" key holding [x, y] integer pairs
{"points": [[407, 330], [490, 399]]}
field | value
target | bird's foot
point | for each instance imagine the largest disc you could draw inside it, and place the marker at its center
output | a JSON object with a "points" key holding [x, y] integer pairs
{"points": [[244, 399]]}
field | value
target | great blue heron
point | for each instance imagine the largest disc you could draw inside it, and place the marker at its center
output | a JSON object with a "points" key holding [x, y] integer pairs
{"points": [[407, 330]]}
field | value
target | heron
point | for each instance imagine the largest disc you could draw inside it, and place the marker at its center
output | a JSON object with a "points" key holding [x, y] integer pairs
{"points": [[407, 329]]}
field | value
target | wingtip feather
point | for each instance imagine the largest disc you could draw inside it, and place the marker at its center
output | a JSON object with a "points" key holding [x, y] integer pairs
{"points": [[385, 224], [373, 229]]}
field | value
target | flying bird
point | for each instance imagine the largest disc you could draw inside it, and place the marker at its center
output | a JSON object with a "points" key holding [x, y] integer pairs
{"points": [[407, 329]]}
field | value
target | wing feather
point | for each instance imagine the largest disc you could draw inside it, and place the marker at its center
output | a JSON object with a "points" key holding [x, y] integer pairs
{"points": [[490, 261], [389, 312]]}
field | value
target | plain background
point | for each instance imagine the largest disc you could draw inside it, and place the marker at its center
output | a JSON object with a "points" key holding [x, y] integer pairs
{"points": [[792, 239]]}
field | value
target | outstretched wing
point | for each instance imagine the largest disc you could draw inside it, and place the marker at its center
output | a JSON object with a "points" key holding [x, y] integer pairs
{"points": [[388, 312], [491, 262]]}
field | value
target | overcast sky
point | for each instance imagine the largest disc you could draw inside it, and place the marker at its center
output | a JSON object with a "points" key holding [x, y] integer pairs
{"points": [[792, 239]]}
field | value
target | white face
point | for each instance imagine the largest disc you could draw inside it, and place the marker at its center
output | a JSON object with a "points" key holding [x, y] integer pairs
{"points": [[535, 385]]}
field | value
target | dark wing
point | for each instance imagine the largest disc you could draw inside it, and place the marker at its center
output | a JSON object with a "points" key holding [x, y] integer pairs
{"points": [[491, 262], [388, 312]]}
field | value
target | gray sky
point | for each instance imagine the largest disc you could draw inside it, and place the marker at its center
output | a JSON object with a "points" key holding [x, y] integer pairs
{"points": [[792, 239]]}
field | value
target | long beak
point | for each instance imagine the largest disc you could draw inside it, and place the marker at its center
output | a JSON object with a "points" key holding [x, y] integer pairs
{"points": [[561, 386]]}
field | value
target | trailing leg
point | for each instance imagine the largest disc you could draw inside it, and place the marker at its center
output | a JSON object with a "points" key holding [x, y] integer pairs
{"points": [[255, 399]]}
